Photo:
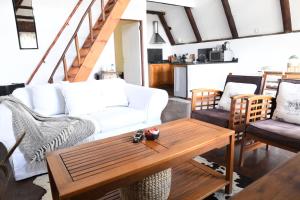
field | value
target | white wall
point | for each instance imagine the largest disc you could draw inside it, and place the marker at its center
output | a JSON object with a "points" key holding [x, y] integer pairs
{"points": [[17, 65], [136, 10], [255, 53], [209, 76], [106, 59]]}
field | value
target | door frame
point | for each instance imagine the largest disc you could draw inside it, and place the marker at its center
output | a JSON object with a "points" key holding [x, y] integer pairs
{"points": [[141, 28]]}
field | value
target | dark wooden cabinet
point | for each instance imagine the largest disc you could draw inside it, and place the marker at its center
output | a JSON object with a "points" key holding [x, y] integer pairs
{"points": [[161, 74]]}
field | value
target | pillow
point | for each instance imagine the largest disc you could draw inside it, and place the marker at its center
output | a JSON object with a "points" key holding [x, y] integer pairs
{"points": [[233, 89], [24, 95], [288, 103], [82, 98], [114, 92], [47, 99]]}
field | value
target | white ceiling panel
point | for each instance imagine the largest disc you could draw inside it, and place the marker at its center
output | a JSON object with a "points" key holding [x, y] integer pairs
{"points": [[188, 3], [295, 14], [211, 19], [177, 20], [257, 16]]}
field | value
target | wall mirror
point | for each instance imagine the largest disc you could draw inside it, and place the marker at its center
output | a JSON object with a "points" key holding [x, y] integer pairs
{"points": [[25, 24]]}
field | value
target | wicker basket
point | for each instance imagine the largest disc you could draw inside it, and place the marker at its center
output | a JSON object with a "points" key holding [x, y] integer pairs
{"points": [[154, 187]]}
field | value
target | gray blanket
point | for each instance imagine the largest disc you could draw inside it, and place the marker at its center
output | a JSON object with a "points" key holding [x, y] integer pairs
{"points": [[45, 134]]}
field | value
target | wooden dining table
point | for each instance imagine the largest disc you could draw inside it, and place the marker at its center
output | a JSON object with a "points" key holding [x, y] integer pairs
{"points": [[98, 169], [282, 182]]}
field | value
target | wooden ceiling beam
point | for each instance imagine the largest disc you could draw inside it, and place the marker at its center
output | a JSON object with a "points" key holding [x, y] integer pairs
{"points": [[191, 18], [286, 16], [162, 19], [230, 19], [152, 12], [166, 28]]}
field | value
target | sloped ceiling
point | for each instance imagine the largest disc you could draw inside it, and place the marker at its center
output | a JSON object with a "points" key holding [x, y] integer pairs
{"points": [[177, 20], [210, 16], [189, 3], [255, 17]]}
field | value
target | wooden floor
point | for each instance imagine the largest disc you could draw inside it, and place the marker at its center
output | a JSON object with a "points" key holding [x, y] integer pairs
{"points": [[257, 163], [281, 183]]}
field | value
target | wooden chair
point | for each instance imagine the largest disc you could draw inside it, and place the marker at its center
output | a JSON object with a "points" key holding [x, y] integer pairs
{"points": [[204, 102], [272, 79], [291, 75], [261, 129], [10, 152], [5, 172]]}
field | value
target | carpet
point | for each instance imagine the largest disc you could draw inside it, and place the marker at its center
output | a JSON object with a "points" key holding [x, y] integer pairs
{"points": [[239, 182]]}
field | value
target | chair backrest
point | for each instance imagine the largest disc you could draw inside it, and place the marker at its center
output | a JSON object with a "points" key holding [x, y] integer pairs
{"points": [[288, 80], [257, 80], [271, 81], [291, 75]]}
